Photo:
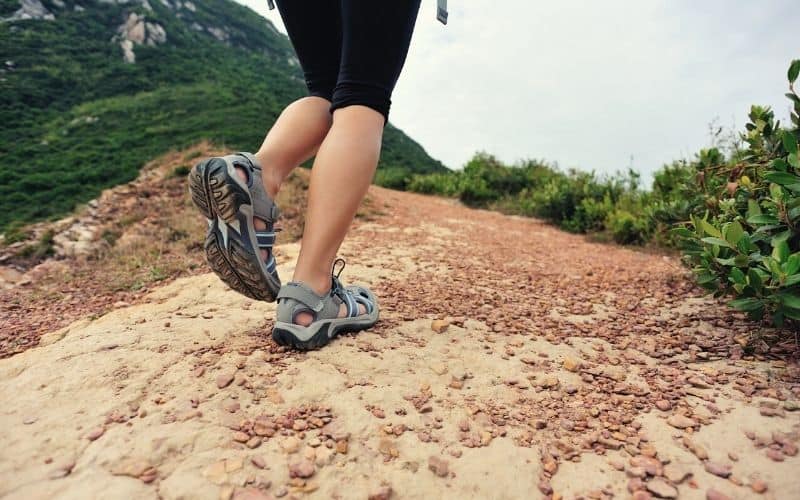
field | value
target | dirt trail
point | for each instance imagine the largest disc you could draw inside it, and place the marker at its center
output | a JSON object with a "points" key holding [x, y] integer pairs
{"points": [[559, 367]]}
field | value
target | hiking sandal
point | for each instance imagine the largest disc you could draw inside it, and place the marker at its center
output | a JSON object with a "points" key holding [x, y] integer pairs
{"points": [[295, 298], [232, 243]]}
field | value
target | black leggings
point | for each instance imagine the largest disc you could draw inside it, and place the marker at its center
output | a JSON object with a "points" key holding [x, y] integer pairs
{"points": [[351, 51]]}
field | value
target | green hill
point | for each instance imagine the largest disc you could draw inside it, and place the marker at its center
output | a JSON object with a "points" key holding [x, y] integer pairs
{"points": [[92, 89]]}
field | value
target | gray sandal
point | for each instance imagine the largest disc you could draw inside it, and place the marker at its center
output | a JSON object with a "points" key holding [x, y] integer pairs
{"points": [[232, 242], [295, 298]]}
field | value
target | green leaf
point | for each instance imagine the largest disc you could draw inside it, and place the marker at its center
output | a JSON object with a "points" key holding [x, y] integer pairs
{"points": [[762, 219], [782, 178], [780, 165], [716, 241], [741, 261], [780, 251], [794, 70], [737, 276], [793, 160], [754, 280], [789, 142], [792, 264], [747, 305], [709, 229], [792, 313], [792, 280], [753, 208], [789, 300], [734, 232]]}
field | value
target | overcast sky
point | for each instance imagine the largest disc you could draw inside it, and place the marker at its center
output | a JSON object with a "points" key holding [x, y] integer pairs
{"points": [[594, 85]]}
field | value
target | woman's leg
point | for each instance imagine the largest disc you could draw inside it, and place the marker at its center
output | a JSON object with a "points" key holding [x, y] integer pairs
{"points": [[376, 36], [314, 29]]}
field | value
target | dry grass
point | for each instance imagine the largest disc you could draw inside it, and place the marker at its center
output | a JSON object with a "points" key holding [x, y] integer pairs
{"points": [[149, 233]]}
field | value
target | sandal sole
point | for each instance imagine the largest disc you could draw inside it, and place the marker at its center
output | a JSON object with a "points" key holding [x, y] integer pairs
{"points": [[219, 197], [286, 338]]}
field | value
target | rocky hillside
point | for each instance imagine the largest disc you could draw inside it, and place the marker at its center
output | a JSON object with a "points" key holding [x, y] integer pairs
{"points": [[90, 90]]}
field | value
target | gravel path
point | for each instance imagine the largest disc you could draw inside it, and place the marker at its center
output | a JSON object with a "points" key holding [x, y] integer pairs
{"points": [[512, 361]]}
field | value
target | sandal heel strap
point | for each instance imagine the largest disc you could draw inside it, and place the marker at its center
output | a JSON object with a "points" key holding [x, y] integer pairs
{"points": [[301, 293]]}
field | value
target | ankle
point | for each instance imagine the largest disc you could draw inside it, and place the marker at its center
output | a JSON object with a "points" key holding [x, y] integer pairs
{"points": [[269, 175], [320, 285]]}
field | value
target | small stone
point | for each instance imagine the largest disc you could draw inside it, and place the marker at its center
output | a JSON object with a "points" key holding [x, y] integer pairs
{"points": [[571, 364], [758, 486], [253, 442], [439, 325], [456, 383], [680, 421], [258, 461], [281, 492], [95, 433], [378, 413], [224, 380], [241, 437], [789, 449], [661, 488], [718, 469], [663, 405], [231, 406], [775, 455], [791, 405], [733, 456], [676, 473], [635, 484], [438, 466], [382, 493], [545, 488], [290, 444], [302, 469], [713, 494], [341, 447], [698, 382]]}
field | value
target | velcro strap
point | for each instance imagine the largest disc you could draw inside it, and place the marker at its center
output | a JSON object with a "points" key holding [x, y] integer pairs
{"points": [[302, 294], [265, 239]]}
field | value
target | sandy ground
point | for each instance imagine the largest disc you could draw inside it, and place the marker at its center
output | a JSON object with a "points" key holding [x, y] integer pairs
{"points": [[512, 361]]}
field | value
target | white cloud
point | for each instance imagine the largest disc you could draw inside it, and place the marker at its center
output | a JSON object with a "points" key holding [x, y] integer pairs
{"points": [[589, 84]]}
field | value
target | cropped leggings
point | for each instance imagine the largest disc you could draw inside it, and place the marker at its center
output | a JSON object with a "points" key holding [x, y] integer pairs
{"points": [[351, 51]]}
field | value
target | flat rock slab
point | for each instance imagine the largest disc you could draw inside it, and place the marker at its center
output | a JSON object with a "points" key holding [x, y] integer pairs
{"points": [[560, 357]]}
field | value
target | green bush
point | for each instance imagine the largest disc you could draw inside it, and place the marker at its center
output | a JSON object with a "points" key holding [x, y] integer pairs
{"points": [[746, 244]]}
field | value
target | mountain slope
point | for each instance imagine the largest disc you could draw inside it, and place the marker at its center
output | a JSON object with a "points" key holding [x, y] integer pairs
{"points": [[92, 89]]}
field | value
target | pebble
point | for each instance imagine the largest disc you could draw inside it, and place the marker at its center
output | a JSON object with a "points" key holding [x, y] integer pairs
{"points": [[663, 405], [382, 493], [680, 421], [258, 461], [758, 486], [290, 444], [253, 442], [439, 325], [571, 364], [775, 455], [224, 380], [713, 494], [661, 488], [95, 433], [641, 495], [302, 469], [717, 469], [438, 466], [676, 473], [241, 437]]}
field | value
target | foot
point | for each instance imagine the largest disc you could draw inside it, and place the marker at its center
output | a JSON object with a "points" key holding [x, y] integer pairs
{"points": [[305, 319]]}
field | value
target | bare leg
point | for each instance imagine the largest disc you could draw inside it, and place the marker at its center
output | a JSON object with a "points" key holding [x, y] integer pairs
{"points": [[342, 173], [294, 138]]}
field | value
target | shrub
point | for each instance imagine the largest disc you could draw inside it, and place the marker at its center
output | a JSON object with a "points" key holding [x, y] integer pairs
{"points": [[746, 244]]}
